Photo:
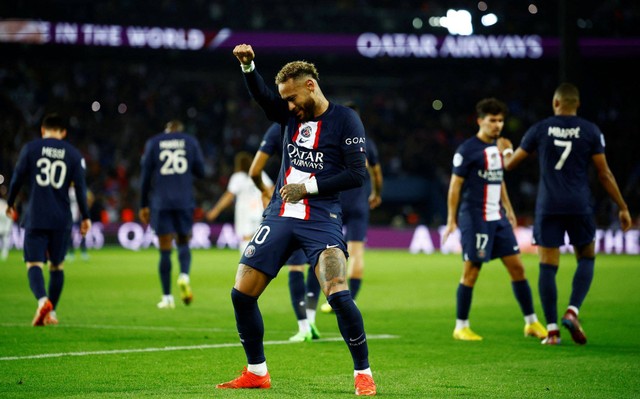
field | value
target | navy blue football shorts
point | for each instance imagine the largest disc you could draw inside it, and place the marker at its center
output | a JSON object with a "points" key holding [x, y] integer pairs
{"points": [[170, 221], [278, 237], [482, 241], [356, 222], [549, 230], [43, 244], [297, 258]]}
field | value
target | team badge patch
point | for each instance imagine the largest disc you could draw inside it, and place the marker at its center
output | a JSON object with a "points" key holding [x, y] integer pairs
{"points": [[249, 251], [306, 132]]}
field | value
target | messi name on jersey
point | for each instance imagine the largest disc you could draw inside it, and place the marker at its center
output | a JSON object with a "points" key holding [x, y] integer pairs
{"points": [[52, 152]]}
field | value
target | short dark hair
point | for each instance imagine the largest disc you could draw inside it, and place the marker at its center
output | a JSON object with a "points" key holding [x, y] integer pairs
{"points": [[568, 94], [297, 69], [174, 125], [491, 106], [54, 121]]}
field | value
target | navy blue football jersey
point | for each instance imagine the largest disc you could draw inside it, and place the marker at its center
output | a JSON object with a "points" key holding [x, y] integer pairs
{"points": [[314, 149], [169, 164], [359, 197], [480, 164], [49, 166], [565, 145], [272, 141]]}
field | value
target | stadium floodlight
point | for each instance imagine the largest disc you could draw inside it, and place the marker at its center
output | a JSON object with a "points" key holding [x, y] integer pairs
{"points": [[489, 19], [458, 22]]}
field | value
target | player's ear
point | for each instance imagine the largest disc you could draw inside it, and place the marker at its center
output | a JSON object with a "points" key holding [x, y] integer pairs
{"points": [[63, 134], [42, 131], [311, 85]]}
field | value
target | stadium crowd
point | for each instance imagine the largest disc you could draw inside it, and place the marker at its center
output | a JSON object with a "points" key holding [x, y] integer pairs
{"points": [[114, 106]]}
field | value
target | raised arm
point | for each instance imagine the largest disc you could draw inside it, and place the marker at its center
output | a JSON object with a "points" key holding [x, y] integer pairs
{"points": [[510, 158], [275, 108], [608, 181]]}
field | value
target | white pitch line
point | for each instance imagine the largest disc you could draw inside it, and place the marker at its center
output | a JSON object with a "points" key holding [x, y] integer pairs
{"points": [[124, 327], [174, 348]]}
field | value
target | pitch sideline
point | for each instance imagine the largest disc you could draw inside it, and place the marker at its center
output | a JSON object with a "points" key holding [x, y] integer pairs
{"points": [[174, 348]]}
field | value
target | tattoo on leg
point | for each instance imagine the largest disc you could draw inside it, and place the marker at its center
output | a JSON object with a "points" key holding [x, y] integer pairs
{"points": [[333, 267]]}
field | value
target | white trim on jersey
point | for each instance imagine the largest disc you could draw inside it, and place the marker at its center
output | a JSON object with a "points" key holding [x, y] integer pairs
{"points": [[491, 200], [300, 209]]}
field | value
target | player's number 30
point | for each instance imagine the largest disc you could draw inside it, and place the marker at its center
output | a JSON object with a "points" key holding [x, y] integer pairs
{"points": [[51, 172], [174, 162]]}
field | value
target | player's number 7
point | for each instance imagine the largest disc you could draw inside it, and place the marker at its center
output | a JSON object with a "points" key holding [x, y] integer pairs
{"points": [[565, 152]]}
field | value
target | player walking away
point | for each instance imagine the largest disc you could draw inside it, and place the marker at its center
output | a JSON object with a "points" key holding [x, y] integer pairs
{"points": [[303, 299], [566, 144], [319, 160], [171, 159], [486, 219], [356, 204], [248, 200], [5, 227], [49, 166]]}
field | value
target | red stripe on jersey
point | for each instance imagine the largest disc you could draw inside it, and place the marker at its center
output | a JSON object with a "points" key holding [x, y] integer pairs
{"points": [[315, 143], [486, 188], [286, 175]]}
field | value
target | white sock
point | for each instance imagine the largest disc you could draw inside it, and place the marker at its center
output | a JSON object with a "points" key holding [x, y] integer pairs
{"points": [[184, 276], [303, 326], [42, 301], [311, 316], [530, 318], [167, 298], [461, 323], [574, 309], [258, 369], [367, 371], [552, 327]]}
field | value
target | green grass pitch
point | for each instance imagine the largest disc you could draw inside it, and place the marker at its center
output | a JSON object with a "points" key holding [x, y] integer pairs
{"points": [[112, 342]]}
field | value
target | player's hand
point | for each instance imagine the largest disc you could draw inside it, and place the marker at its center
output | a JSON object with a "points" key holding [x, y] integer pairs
{"points": [[374, 201], [11, 213], [503, 144], [144, 215], [625, 219], [244, 53], [293, 192], [449, 229], [85, 226]]}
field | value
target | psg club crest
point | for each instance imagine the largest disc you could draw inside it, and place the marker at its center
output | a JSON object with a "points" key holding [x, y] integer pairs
{"points": [[306, 132], [250, 251]]}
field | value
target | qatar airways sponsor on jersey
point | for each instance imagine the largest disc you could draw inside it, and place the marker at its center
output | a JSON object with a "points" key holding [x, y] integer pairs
{"points": [[302, 152]]}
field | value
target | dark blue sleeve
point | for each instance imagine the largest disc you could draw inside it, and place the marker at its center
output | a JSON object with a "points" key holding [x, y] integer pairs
{"points": [[274, 107], [145, 180], [351, 177], [529, 141], [18, 178], [198, 160], [272, 140], [461, 162]]}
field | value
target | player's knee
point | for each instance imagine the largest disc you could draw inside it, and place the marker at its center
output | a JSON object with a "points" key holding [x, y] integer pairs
{"points": [[182, 239], [241, 300], [586, 251]]}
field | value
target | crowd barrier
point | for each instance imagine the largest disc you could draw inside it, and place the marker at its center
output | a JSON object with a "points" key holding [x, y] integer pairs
{"points": [[419, 239]]}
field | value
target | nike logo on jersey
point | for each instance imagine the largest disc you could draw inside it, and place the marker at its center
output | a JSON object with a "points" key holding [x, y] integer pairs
{"points": [[331, 246], [516, 248]]}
